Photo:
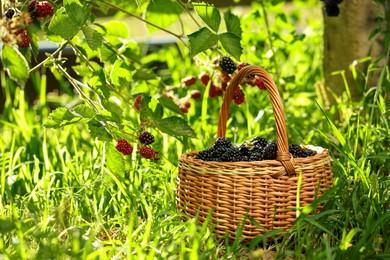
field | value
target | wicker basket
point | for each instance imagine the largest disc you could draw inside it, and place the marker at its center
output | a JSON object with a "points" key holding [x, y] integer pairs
{"points": [[265, 191]]}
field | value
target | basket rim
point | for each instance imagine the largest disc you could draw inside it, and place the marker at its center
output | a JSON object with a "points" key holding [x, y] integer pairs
{"points": [[271, 167]]}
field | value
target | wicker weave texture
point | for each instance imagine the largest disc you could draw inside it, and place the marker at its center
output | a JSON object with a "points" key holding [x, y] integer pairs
{"points": [[235, 189]]}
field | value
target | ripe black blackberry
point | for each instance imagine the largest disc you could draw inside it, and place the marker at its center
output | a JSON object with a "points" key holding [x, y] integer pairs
{"points": [[222, 142], [295, 150], [308, 152], [10, 13], [244, 148], [146, 138], [219, 151], [269, 152], [205, 155], [256, 156], [227, 65], [259, 141], [231, 155]]}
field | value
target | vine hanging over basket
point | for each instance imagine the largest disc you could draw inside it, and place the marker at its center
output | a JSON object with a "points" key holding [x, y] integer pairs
{"points": [[265, 190]]}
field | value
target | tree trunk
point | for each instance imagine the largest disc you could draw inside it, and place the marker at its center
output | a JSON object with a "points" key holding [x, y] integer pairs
{"points": [[346, 40]]}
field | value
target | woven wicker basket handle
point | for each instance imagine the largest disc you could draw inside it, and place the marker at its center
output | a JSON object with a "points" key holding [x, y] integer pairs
{"points": [[283, 154]]}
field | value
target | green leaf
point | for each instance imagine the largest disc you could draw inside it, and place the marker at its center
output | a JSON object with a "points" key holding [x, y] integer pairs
{"points": [[77, 12], [61, 117], [121, 71], [233, 24], [84, 111], [107, 54], [231, 43], [175, 126], [202, 40], [114, 109], [63, 26], [15, 63], [209, 14], [170, 104], [163, 13], [145, 111], [143, 74], [97, 130], [158, 113], [92, 37], [115, 160]]}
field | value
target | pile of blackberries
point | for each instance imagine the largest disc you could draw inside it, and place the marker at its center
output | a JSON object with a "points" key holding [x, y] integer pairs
{"points": [[256, 149]]}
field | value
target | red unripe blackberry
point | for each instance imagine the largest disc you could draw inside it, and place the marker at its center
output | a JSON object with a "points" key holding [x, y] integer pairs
{"points": [[149, 153], [215, 91], [239, 96], [227, 65], [40, 9], [124, 147], [189, 81], [225, 77], [196, 94], [184, 109], [146, 138], [22, 38], [137, 102], [242, 65], [260, 84], [204, 78]]}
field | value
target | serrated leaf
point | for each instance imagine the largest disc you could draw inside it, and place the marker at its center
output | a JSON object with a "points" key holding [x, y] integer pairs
{"points": [[98, 81], [84, 111], [202, 40], [114, 109], [170, 104], [115, 160], [63, 26], [163, 13], [120, 70], [209, 14], [107, 54], [117, 28], [61, 117], [233, 24], [15, 63], [97, 130], [92, 37], [231, 43], [175, 126], [77, 12]]}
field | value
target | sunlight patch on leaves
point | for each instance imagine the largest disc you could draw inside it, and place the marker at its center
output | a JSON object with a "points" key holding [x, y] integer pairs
{"points": [[15, 63], [209, 14]]}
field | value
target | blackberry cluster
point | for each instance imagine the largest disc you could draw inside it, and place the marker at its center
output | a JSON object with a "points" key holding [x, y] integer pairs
{"points": [[256, 149], [331, 7], [227, 65], [146, 138]]}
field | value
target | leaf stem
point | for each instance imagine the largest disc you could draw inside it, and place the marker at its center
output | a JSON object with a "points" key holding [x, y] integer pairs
{"points": [[180, 37], [60, 48]]}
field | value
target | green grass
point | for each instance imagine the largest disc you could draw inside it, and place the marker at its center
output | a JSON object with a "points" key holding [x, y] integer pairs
{"points": [[60, 200]]}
